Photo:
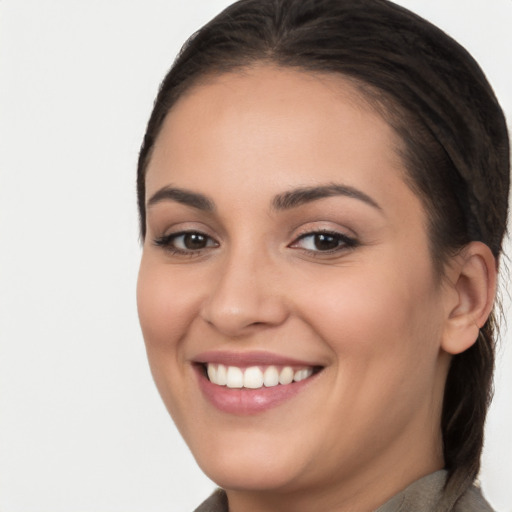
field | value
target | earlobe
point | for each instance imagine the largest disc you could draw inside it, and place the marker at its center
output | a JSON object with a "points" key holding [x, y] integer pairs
{"points": [[473, 278]]}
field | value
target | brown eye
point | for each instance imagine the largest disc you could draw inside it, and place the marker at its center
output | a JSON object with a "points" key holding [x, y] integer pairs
{"points": [[324, 242], [194, 241], [187, 242]]}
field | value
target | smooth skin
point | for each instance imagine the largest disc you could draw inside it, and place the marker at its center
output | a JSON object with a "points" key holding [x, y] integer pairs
{"points": [[365, 303]]}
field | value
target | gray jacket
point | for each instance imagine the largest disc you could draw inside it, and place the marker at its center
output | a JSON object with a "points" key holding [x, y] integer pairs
{"points": [[424, 495]]}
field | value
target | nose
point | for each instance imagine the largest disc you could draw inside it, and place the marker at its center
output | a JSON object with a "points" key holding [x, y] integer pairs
{"points": [[245, 296]]}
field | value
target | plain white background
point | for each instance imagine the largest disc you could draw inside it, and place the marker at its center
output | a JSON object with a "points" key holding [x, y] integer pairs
{"points": [[82, 428]]}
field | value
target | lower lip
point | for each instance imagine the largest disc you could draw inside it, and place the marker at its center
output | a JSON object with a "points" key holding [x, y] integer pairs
{"points": [[245, 401]]}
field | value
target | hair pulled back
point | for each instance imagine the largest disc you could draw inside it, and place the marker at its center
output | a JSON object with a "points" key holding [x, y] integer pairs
{"points": [[434, 94]]}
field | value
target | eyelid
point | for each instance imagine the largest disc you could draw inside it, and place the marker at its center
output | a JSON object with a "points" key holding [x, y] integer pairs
{"points": [[165, 242], [175, 227], [346, 242]]}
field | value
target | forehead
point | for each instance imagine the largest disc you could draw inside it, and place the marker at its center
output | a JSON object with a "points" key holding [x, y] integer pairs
{"points": [[257, 91], [271, 115]]}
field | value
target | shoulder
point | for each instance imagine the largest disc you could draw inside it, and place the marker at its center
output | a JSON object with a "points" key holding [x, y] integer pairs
{"points": [[472, 501], [429, 495], [217, 502]]}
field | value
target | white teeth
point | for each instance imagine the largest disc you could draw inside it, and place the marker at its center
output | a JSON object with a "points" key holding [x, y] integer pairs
{"points": [[212, 372], [271, 377], [286, 375], [302, 374], [234, 377], [221, 376], [254, 377]]}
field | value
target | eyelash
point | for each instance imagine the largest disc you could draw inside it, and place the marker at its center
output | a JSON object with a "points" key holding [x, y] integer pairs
{"points": [[343, 242], [167, 242]]}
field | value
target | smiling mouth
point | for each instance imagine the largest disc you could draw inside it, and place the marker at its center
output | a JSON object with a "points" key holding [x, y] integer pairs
{"points": [[256, 377]]}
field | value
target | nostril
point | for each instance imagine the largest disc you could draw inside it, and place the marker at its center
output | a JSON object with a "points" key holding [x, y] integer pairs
{"points": [[238, 302]]}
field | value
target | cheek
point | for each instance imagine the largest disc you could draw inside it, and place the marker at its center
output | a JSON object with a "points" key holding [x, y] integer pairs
{"points": [[376, 310], [383, 331], [165, 312], [165, 304]]}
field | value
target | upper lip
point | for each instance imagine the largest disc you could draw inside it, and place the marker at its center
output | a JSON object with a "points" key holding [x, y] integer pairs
{"points": [[252, 358]]}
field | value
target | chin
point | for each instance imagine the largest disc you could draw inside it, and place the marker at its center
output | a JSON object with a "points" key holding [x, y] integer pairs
{"points": [[252, 467], [251, 476]]}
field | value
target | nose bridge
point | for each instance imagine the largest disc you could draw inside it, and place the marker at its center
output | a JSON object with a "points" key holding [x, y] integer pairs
{"points": [[245, 293]]}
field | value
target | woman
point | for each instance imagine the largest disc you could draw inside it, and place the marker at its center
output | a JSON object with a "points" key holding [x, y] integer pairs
{"points": [[323, 197]]}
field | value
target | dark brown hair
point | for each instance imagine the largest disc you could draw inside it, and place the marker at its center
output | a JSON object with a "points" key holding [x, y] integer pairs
{"points": [[434, 94]]}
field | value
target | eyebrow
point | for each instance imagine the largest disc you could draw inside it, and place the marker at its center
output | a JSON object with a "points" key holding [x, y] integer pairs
{"points": [[285, 201], [182, 196], [303, 195]]}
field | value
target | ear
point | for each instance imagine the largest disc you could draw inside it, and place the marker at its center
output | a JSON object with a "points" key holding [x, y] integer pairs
{"points": [[472, 276]]}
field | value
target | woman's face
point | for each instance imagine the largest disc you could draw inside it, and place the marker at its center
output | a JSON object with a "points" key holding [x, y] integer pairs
{"points": [[283, 242]]}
